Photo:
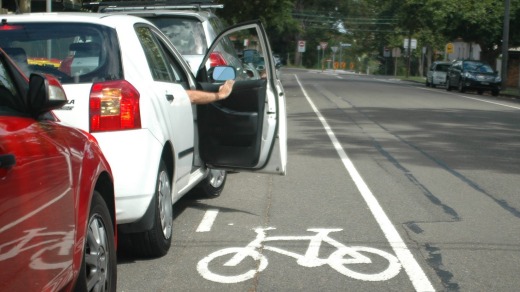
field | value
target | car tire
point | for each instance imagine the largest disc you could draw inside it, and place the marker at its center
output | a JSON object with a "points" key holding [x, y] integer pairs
{"points": [[156, 241], [448, 85], [427, 83], [461, 87], [98, 270], [433, 85], [495, 92], [212, 185], [480, 92]]}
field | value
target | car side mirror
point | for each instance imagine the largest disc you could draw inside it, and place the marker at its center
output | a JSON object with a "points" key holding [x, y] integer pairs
{"points": [[223, 73], [45, 94]]}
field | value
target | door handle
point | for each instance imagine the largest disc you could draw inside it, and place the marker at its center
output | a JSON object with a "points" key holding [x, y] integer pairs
{"points": [[169, 97]]}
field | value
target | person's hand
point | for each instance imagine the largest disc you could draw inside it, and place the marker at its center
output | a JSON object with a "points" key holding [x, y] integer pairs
{"points": [[225, 89]]}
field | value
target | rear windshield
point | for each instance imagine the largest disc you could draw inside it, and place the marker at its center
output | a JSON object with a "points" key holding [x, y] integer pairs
{"points": [[186, 34], [442, 67], [73, 52]]}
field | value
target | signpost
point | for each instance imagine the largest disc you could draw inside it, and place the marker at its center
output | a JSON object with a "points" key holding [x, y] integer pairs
{"points": [[301, 46], [323, 46], [334, 50], [341, 46], [318, 48]]}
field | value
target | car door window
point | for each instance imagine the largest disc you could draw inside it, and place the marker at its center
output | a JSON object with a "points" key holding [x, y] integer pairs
{"points": [[179, 75], [158, 64], [9, 97]]}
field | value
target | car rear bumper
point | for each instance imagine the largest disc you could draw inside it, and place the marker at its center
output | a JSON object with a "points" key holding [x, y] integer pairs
{"points": [[134, 158], [439, 79]]}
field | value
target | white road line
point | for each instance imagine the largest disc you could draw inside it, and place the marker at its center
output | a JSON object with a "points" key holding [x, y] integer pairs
{"points": [[487, 101], [207, 220], [410, 265], [473, 98]]}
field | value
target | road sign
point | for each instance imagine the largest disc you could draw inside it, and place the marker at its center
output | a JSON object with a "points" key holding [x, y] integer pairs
{"points": [[323, 45], [396, 52], [413, 44], [449, 48], [334, 49], [301, 46], [345, 45]]}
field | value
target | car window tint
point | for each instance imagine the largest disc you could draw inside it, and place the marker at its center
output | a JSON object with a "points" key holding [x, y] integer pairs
{"points": [[157, 62], [8, 92], [244, 51], [178, 74], [72, 52], [186, 34], [443, 67]]}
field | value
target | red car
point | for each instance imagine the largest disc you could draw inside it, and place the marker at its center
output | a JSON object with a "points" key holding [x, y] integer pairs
{"points": [[57, 213]]}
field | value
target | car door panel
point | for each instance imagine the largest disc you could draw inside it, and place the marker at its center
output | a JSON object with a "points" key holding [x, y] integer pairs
{"points": [[229, 128], [246, 131]]}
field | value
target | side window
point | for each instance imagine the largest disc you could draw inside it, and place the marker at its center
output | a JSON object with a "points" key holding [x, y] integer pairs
{"points": [[242, 50], [178, 74], [10, 99], [159, 65]]}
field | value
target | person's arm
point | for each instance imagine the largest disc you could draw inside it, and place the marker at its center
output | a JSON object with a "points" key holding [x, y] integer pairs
{"points": [[205, 97]]}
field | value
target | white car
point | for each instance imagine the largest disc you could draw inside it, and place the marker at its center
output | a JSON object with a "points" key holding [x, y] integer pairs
{"points": [[126, 84], [437, 73]]}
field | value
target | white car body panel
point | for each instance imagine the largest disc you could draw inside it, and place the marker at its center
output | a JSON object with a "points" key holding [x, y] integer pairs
{"points": [[134, 155]]}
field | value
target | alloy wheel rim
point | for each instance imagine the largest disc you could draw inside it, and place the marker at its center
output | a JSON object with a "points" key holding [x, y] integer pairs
{"points": [[216, 177], [165, 204], [97, 256]]}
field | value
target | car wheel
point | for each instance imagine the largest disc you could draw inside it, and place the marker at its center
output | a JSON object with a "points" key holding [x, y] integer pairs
{"points": [[212, 185], [427, 83], [433, 85], [495, 92], [479, 92], [461, 86], [99, 267], [156, 241], [448, 85]]}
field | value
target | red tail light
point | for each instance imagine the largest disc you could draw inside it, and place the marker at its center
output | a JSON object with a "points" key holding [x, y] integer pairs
{"points": [[216, 59], [114, 105], [5, 26]]}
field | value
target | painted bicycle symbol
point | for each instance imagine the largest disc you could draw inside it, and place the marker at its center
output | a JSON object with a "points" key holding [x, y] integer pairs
{"points": [[350, 261]]}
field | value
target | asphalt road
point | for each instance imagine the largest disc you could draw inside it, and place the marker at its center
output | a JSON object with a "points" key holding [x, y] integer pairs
{"points": [[391, 186]]}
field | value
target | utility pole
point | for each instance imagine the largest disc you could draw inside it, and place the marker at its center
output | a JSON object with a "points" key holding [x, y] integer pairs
{"points": [[505, 44], [409, 53]]}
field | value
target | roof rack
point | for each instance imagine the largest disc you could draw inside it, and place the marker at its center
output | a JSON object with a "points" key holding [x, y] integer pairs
{"points": [[109, 6]]}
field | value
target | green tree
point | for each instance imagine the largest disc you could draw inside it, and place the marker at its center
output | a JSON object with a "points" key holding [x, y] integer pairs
{"points": [[476, 21], [276, 15]]}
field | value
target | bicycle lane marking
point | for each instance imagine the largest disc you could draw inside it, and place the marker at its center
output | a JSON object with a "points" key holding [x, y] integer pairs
{"points": [[310, 258], [410, 265]]}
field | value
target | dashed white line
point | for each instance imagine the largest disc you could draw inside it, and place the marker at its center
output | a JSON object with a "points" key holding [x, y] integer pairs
{"points": [[207, 221], [417, 276]]}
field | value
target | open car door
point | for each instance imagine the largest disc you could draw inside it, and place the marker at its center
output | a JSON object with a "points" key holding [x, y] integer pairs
{"points": [[248, 130]]}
